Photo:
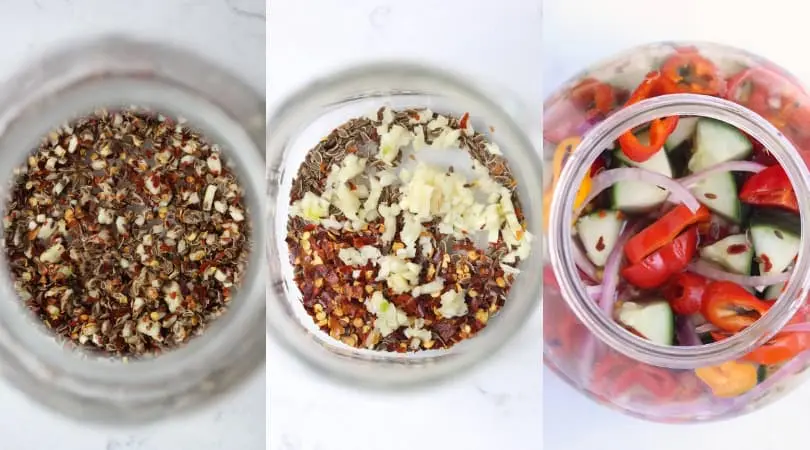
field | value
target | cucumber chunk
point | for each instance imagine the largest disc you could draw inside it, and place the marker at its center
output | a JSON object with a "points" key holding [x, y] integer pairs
{"points": [[653, 320], [776, 242], [734, 253], [717, 142], [774, 291], [659, 162], [637, 196], [598, 233], [683, 132], [719, 193]]}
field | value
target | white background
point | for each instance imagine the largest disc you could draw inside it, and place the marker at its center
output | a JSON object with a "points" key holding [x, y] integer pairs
{"points": [[229, 31], [578, 33], [498, 405]]}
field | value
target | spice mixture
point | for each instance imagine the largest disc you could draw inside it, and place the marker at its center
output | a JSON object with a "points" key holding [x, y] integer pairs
{"points": [[126, 233], [385, 255]]}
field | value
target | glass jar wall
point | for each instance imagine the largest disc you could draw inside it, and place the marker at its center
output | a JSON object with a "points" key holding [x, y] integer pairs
{"points": [[115, 73], [615, 327]]}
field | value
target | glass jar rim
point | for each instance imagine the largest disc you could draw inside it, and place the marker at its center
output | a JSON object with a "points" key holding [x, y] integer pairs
{"points": [[373, 80], [112, 71], [560, 238]]}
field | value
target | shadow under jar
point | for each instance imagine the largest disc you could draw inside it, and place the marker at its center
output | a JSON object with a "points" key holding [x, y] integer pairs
{"points": [[709, 322], [357, 344], [78, 101]]}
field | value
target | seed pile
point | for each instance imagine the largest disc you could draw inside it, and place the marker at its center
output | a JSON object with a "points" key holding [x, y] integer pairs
{"points": [[384, 255], [126, 233]]}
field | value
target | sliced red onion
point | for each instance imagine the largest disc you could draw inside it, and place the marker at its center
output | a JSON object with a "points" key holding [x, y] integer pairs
{"points": [[610, 276], [583, 263], [594, 291], [709, 270], [687, 336], [606, 179], [797, 328], [732, 166], [706, 328]]}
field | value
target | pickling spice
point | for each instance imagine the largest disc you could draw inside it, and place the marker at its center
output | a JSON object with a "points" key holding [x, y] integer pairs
{"points": [[126, 233], [391, 253]]}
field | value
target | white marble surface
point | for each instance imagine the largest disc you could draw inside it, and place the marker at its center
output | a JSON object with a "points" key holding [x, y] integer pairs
{"points": [[231, 31], [581, 32], [499, 404]]}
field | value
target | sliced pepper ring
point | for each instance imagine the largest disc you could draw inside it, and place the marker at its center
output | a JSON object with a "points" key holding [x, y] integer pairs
{"points": [[730, 307]]}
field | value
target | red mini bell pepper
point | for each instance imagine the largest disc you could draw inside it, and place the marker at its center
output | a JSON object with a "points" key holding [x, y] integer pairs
{"points": [[688, 72], [588, 102], [730, 307], [770, 187], [781, 348], [684, 292], [663, 231], [657, 268], [660, 128], [595, 97]]}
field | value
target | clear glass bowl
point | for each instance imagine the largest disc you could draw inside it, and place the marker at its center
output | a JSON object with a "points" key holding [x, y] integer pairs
{"points": [[114, 72], [582, 344], [303, 120]]}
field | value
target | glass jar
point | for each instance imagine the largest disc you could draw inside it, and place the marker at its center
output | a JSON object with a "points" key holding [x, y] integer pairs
{"points": [[584, 345], [300, 123], [111, 73]]}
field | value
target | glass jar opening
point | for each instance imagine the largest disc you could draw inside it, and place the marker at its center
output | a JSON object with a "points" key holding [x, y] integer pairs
{"points": [[561, 255]]}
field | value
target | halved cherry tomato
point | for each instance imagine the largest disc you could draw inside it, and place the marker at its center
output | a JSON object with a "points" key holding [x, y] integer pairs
{"points": [[663, 231], [781, 348], [684, 292], [658, 267], [730, 307], [660, 128], [688, 72], [771, 187]]}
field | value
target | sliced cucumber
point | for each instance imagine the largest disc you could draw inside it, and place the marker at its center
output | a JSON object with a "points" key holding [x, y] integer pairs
{"points": [[653, 320], [774, 291], [776, 241], [734, 253], [683, 132], [659, 162], [598, 233], [717, 142], [719, 193], [637, 196]]}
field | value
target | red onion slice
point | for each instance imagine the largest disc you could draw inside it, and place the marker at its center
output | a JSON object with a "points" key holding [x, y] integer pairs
{"points": [[583, 263], [797, 328], [610, 276], [709, 270], [687, 335], [606, 179], [733, 166]]}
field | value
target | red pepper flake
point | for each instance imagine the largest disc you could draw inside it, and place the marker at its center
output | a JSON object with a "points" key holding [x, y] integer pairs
{"points": [[600, 244], [464, 119], [602, 213], [767, 262], [710, 196], [736, 249]]}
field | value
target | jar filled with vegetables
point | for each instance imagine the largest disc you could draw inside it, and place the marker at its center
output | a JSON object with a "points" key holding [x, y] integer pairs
{"points": [[677, 282]]}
